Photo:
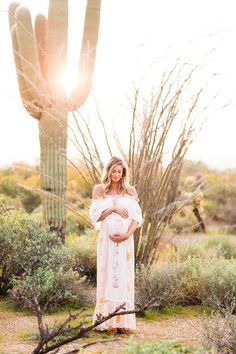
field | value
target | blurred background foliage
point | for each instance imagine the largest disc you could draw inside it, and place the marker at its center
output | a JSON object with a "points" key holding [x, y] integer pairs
{"points": [[216, 196]]}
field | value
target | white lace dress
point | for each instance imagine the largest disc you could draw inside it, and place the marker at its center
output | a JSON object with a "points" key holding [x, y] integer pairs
{"points": [[115, 261]]}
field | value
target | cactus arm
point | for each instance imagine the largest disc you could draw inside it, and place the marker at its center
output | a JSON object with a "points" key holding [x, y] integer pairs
{"points": [[40, 29], [28, 54], [24, 91], [87, 54], [23, 87], [57, 38], [12, 13]]}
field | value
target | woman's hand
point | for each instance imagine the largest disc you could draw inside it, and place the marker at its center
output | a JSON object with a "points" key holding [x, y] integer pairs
{"points": [[122, 212], [119, 237]]}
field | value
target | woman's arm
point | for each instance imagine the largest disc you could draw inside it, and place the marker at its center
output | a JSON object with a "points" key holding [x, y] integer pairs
{"points": [[106, 212], [132, 228], [122, 212]]}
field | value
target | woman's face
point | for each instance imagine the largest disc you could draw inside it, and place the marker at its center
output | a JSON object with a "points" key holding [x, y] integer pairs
{"points": [[116, 173]]}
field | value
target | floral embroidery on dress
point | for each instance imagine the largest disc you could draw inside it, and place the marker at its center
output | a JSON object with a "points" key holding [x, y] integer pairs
{"points": [[128, 256], [103, 300]]}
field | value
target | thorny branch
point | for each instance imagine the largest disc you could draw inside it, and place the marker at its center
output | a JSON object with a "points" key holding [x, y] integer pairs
{"points": [[50, 339]]}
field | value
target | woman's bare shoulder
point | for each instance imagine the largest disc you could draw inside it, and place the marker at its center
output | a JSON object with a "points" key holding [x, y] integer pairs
{"points": [[96, 191]]}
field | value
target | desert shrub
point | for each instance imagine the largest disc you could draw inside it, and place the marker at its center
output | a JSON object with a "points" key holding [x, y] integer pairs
{"points": [[220, 333], [198, 251], [221, 197], [36, 214], [83, 253], [204, 248], [191, 274], [224, 247], [219, 289], [191, 282], [7, 202], [186, 250], [225, 213], [153, 347], [210, 207], [75, 224], [193, 168], [48, 287], [164, 285], [10, 188], [78, 182], [30, 200], [34, 263], [185, 220], [25, 246], [41, 248]]}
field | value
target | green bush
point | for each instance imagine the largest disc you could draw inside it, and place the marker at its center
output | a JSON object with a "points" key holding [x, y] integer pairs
{"points": [[47, 287], [9, 187], [25, 246], [36, 214], [187, 250], [154, 347], [219, 335], [219, 279], [83, 253], [224, 247], [75, 224], [210, 206], [7, 203], [221, 199], [34, 263], [161, 284], [191, 282], [184, 221], [205, 248], [30, 200]]}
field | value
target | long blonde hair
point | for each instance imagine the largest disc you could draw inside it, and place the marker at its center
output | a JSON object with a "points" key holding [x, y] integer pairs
{"points": [[123, 187]]}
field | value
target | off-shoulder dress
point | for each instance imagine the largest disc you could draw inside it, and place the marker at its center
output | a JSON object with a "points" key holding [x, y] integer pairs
{"points": [[115, 261]]}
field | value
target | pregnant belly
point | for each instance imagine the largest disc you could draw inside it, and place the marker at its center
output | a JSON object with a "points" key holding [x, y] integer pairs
{"points": [[115, 224]]}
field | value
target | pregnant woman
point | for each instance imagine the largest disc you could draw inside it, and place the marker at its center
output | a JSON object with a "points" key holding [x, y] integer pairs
{"points": [[116, 211]]}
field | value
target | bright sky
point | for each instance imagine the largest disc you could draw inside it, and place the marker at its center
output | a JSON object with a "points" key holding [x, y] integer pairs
{"points": [[133, 33]]}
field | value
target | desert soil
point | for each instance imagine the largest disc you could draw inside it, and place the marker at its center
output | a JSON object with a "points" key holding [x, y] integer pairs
{"points": [[18, 332]]}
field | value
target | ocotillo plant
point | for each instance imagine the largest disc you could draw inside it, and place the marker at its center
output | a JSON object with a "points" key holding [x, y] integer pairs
{"points": [[40, 53]]}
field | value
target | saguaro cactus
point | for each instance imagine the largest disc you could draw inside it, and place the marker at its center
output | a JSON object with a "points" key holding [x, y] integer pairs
{"points": [[40, 53]]}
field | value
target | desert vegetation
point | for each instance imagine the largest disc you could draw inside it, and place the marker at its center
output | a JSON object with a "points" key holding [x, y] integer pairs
{"points": [[43, 275]]}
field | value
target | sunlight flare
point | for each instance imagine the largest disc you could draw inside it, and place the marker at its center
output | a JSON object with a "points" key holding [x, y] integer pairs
{"points": [[68, 80]]}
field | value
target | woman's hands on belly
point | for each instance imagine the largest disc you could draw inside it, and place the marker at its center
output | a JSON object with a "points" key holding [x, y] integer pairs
{"points": [[119, 237]]}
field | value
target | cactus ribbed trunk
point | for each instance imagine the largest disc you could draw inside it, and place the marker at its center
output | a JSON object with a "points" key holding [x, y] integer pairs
{"points": [[53, 147]]}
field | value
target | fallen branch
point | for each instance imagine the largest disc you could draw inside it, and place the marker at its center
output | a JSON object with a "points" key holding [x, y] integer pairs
{"points": [[51, 335]]}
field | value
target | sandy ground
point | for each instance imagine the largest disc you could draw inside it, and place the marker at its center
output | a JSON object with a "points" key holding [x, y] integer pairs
{"points": [[17, 333]]}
